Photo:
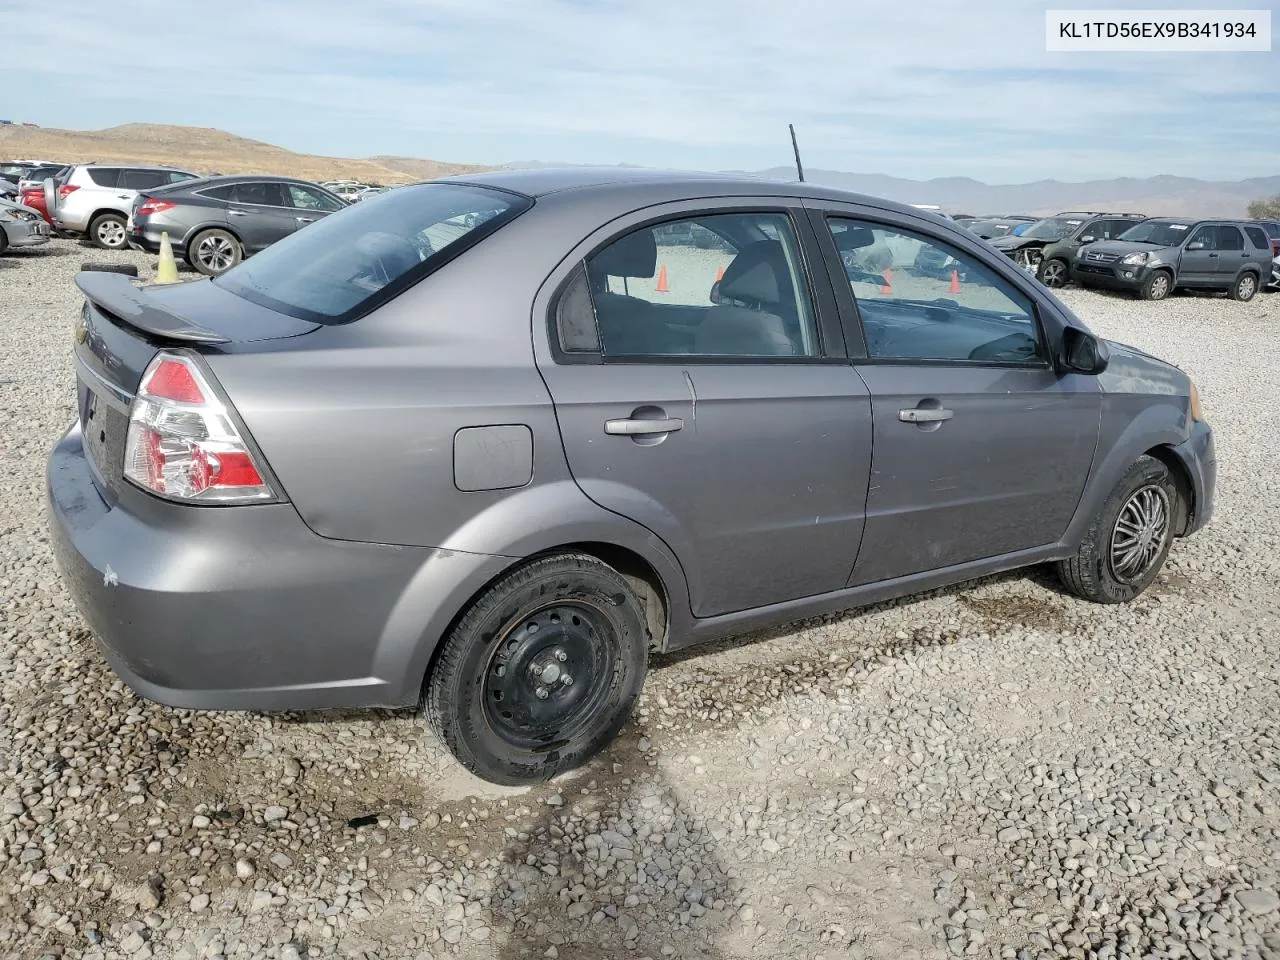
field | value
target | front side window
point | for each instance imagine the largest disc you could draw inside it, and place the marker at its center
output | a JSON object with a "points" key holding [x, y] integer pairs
{"points": [[363, 255], [922, 299], [1207, 237], [306, 198], [718, 285]]}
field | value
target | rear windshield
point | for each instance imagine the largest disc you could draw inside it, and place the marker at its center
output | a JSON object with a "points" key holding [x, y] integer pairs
{"points": [[345, 264]]}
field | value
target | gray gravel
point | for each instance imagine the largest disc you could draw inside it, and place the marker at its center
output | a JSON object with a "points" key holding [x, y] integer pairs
{"points": [[996, 771]]}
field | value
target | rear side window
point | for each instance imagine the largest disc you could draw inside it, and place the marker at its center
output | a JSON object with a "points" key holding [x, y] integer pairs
{"points": [[225, 192], [1229, 238], [264, 194], [175, 176], [1258, 237], [142, 179], [105, 176], [1272, 228], [343, 265]]}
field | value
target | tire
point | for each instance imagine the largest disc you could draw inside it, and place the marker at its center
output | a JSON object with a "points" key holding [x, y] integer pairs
{"points": [[213, 252], [1244, 288], [1054, 272], [1157, 286], [568, 625], [128, 269], [4, 241], [107, 230], [1098, 571]]}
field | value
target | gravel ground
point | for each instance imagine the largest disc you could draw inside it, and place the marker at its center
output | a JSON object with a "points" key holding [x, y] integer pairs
{"points": [[998, 770]]}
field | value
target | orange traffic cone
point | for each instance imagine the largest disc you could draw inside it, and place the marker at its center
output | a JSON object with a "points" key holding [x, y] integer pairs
{"points": [[719, 274], [662, 279], [955, 282], [887, 286]]}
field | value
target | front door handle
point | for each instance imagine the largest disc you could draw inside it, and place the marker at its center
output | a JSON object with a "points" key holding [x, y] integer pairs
{"points": [[1213, 255], [924, 415], [237, 213], [305, 219], [639, 428]]}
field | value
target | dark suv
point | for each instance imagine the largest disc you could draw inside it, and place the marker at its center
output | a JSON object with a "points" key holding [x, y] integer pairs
{"points": [[1157, 256], [1054, 269]]}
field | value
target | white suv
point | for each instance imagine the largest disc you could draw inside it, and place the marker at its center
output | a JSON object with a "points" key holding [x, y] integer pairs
{"points": [[94, 200]]}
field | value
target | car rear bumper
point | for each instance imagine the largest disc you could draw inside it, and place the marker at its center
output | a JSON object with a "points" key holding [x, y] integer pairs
{"points": [[25, 233], [146, 236], [1200, 459], [245, 608]]}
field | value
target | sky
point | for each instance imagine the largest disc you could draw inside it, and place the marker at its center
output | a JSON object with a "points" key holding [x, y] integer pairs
{"points": [[914, 90]]}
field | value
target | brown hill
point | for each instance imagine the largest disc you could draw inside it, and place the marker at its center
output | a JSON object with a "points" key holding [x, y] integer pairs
{"points": [[206, 150]]}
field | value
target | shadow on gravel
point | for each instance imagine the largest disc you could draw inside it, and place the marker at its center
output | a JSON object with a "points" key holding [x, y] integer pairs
{"points": [[615, 872]]}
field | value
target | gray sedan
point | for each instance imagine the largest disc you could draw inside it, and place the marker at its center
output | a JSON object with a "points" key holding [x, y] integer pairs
{"points": [[489, 442], [21, 226], [216, 222]]}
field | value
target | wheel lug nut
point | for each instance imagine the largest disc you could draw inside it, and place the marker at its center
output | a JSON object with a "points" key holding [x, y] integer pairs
{"points": [[561, 656], [567, 680], [541, 693]]}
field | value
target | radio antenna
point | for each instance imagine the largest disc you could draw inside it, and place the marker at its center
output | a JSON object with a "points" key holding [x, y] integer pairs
{"points": [[795, 148]]}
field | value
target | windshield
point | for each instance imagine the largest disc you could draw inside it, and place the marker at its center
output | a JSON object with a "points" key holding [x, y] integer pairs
{"points": [[1164, 233], [1051, 228], [990, 229], [363, 255]]}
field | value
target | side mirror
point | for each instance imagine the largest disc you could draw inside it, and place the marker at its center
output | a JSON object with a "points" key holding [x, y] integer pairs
{"points": [[1088, 239], [1082, 352], [1195, 245]]}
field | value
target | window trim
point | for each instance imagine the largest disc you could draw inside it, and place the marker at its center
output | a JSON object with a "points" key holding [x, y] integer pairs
{"points": [[849, 302], [822, 307]]}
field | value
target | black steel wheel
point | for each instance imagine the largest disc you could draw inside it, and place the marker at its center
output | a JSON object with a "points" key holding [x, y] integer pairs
{"points": [[541, 671]]}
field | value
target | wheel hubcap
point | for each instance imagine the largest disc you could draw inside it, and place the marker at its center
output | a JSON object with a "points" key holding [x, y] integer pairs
{"points": [[1140, 533], [1159, 286], [111, 233], [1053, 274], [216, 253], [549, 675], [1246, 287]]}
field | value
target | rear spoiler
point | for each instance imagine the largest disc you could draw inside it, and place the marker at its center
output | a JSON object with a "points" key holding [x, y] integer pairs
{"points": [[115, 294]]}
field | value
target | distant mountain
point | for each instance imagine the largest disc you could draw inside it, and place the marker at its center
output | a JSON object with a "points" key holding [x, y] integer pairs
{"points": [[1155, 196], [206, 150]]}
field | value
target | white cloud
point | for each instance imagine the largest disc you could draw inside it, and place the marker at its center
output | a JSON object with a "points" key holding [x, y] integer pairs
{"points": [[946, 88]]}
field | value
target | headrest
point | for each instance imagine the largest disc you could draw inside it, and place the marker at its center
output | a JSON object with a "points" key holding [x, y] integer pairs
{"points": [[635, 255], [395, 254], [757, 275]]}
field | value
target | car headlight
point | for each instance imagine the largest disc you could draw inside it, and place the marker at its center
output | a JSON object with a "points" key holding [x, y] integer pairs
{"points": [[1196, 413], [1134, 259], [9, 213], [1080, 253]]}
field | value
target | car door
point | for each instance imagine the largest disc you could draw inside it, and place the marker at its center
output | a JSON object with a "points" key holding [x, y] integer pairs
{"points": [[1198, 264], [981, 448], [1232, 253], [702, 391], [308, 203], [258, 214]]}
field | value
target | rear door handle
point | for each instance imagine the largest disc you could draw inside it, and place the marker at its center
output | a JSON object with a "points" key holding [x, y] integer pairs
{"points": [[924, 415], [638, 428], [1213, 255], [305, 219], [237, 213]]}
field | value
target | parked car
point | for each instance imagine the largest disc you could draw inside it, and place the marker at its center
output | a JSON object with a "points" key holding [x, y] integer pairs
{"points": [[215, 222], [392, 456], [1158, 256], [21, 227], [8, 189], [349, 192], [31, 187], [1054, 268], [1272, 228], [93, 200], [1026, 248], [1274, 282]]}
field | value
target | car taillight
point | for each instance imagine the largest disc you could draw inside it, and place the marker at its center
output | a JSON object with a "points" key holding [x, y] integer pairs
{"points": [[182, 442], [155, 206], [66, 190]]}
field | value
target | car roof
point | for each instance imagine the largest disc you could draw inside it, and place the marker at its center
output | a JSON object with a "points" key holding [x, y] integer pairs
{"points": [[684, 184]]}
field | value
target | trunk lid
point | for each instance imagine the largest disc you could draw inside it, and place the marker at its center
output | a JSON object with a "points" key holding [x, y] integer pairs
{"points": [[122, 327]]}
